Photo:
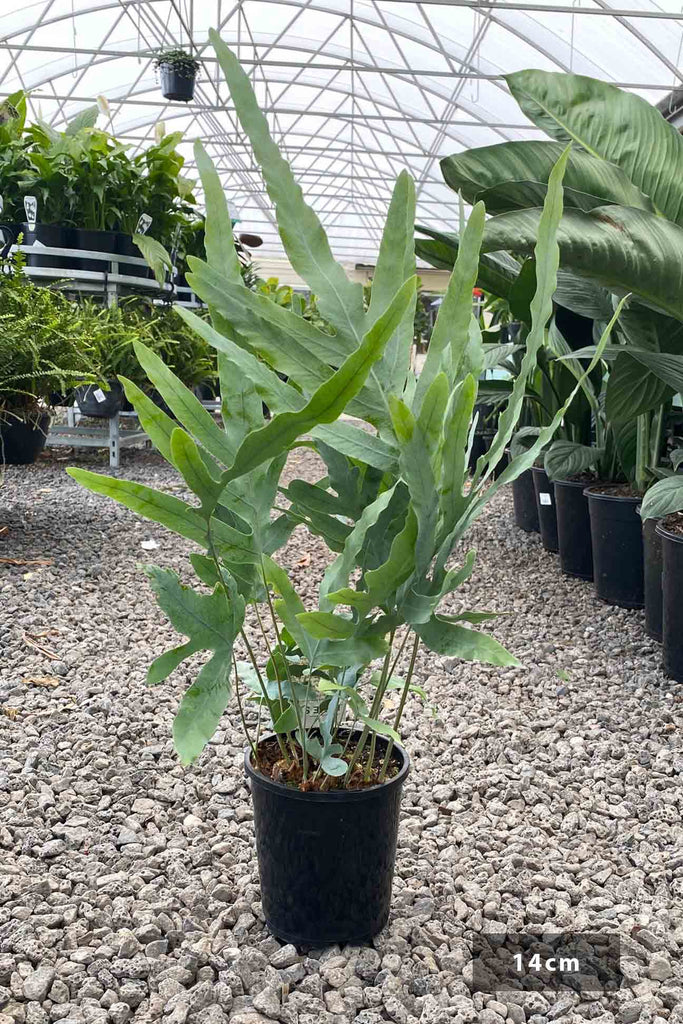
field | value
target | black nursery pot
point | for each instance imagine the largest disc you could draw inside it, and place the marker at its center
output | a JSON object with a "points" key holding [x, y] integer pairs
{"points": [[573, 529], [175, 86], [617, 539], [21, 443], [326, 860], [652, 578], [524, 503], [54, 236], [672, 601], [106, 407], [545, 503], [95, 241]]}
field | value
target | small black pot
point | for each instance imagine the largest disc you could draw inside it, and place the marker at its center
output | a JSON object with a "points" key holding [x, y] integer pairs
{"points": [[21, 443], [672, 602], [573, 529], [95, 241], [125, 246], [524, 503], [545, 503], [175, 86], [54, 236], [652, 578], [326, 860], [617, 538], [107, 406]]}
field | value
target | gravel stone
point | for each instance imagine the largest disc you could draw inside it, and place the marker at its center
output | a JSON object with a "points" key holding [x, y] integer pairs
{"points": [[38, 983]]}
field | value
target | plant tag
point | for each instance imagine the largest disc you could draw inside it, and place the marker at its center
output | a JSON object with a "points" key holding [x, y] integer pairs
{"points": [[144, 224], [545, 498], [31, 208], [99, 395], [2, 204]]}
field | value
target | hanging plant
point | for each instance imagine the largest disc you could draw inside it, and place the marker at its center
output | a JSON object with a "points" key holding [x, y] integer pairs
{"points": [[178, 72]]}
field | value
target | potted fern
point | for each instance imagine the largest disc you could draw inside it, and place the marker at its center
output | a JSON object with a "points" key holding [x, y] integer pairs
{"points": [[392, 506]]}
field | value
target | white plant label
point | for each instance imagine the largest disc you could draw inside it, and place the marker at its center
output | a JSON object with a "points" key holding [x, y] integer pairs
{"points": [[31, 208], [2, 204], [144, 224], [545, 498], [99, 395]]}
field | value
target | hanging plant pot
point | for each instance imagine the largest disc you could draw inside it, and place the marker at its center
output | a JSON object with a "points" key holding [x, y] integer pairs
{"points": [[573, 529], [617, 539], [524, 503], [21, 441], [93, 400], [177, 83], [652, 578], [545, 503], [326, 859], [672, 595]]}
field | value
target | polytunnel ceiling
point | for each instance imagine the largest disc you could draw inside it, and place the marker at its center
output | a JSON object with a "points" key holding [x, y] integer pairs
{"points": [[354, 90]]}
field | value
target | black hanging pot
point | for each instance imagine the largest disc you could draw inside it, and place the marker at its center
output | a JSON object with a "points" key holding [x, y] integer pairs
{"points": [[672, 596], [95, 241], [545, 503], [176, 85], [21, 441], [573, 529], [524, 503], [652, 578], [54, 236], [326, 859], [93, 400], [617, 539]]}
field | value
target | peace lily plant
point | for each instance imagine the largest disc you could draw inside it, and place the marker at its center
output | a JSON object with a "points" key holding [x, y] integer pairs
{"points": [[393, 505]]}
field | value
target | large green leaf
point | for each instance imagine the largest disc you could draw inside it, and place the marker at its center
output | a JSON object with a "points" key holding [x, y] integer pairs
{"points": [[566, 459], [330, 400], [663, 498], [623, 249], [156, 255], [497, 272], [631, 390], [448, 638], [455, 434], [340, 301], [514, 175], [610, 124], [219, 242], [358, 444], [211, 622], [337, 574]]}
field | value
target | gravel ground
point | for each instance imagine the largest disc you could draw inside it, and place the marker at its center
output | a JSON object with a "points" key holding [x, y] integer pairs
{"points": [[546, 795]]}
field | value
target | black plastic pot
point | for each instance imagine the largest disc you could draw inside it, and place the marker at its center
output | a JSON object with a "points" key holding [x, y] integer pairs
{"points": [[524, 503], [125, 246], [93, 400], [326, 860], [175, 86], [652, 578], [573, 529], [545, 503], [95, 241], [672, 601], [54, 236], [617, 539], [21, 443]]}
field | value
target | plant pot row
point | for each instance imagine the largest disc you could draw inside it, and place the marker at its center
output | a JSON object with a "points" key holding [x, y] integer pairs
{"points": [[56, 236], [600, 537]]}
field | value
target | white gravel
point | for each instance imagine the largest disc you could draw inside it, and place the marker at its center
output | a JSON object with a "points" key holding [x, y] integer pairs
{"points": [[543, 797]]}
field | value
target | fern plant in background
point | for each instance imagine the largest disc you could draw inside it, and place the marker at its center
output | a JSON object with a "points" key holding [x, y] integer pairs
{"points": [[392, 505]]}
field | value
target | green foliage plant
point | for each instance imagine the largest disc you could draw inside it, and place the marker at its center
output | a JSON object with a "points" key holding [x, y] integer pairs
{"points": [[182, 62], [395, 500]]}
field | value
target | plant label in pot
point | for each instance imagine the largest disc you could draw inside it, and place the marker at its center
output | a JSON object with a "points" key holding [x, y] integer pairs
{"points": [[144, 224], [31, 208], [333, 679]]}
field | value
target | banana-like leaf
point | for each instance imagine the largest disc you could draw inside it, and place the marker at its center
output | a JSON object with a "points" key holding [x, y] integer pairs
{"points": [[609, 124], [631, 390], [329, 401], [565, 459], [622, 249], [211, 622], [340, 301], [514, 176], [448, 638], [663, 498]]}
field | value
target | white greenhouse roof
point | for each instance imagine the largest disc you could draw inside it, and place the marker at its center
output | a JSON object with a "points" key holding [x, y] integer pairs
{"points": [[355, 90]]}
